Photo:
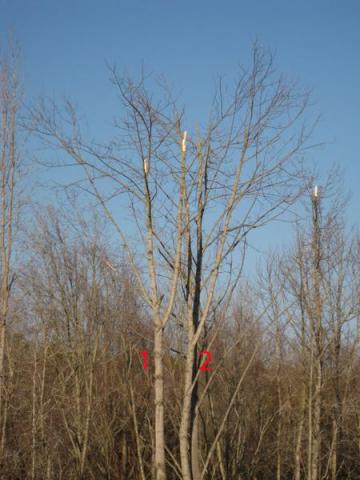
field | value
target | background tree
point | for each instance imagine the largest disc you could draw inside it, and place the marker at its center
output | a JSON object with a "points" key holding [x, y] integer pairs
{"points": [[9, 106]]}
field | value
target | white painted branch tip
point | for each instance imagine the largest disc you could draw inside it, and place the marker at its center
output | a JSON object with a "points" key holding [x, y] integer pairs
{"points": [[146, 166], [183, 144]]}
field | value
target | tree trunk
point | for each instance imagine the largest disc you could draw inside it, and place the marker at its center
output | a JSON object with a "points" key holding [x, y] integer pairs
{"points": [[159, 405], [297, 470], [184, 432], [196, 447], [8, 105], [318, 338]]}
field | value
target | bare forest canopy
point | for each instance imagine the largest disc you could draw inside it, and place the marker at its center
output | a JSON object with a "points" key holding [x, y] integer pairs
{"points": [[152, 356]]}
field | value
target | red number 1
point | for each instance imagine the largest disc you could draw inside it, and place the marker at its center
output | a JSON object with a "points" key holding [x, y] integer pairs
{"points": [[145, 357], [207, 361]]}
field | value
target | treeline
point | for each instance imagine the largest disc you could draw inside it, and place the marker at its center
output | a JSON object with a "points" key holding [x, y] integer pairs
{"points": [[155, 263]]}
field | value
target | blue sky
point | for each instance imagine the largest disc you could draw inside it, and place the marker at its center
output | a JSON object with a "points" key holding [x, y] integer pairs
{"points": [[67, 43]]}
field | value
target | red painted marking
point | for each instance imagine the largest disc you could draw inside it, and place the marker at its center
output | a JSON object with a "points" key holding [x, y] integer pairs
{"points": [[204, 367], [145, 357]]}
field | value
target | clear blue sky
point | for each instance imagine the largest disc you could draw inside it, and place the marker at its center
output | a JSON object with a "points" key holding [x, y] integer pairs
{"points": [[66, 45]]}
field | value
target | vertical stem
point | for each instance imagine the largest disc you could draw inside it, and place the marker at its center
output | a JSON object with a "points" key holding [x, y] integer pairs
{"points": [[318, 336], [297, 470], [137, 436], [8, 93], [310, 416], [279, 394], [33, 429]]}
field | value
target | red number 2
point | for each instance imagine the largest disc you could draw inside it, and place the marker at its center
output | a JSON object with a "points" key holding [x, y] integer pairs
{"points": [[207, 361], [145, 357]]}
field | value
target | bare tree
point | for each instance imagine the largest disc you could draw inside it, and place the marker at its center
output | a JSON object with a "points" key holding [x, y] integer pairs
{"points": [[189, 201], [9, 105]]}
